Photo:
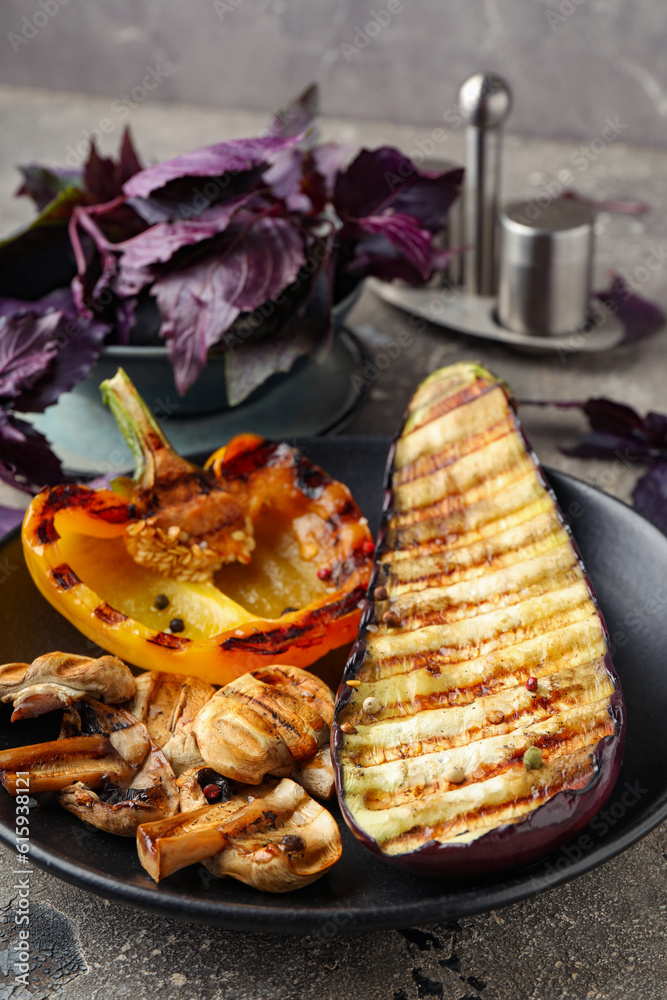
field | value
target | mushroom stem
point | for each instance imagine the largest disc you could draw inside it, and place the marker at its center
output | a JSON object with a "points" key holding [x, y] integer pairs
{"points": [[274, 837], [55, 765], [170, 844]]}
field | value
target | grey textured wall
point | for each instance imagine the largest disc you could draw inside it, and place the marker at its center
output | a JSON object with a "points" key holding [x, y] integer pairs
{"points": [[572, 63]]}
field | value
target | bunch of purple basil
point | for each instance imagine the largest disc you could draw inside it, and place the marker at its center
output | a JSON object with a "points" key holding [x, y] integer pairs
{"points": [[242, 247]]}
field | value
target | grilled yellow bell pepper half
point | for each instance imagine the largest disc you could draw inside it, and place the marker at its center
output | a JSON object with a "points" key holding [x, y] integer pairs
{"points": [[259, 557]]}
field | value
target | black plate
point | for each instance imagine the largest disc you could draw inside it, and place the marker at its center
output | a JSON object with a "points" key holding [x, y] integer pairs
{"points": [[627, 560]]}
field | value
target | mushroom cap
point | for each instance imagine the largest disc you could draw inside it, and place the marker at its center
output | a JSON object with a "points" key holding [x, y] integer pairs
{"points": [[56, 680], [317, 774], [166, 703], [264, 722], [284, 853], [148, 793]]}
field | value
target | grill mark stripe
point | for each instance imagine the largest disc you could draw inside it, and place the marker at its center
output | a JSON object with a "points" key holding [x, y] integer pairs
{"points": [[64, 577], [440, 726], [473, 517], [398, 580], [109, 615], [494, 815], [426, 466], [557, 569], [399, 643], [578, 644], [445, 504], [459, 476], [565, 747], [433, 546], [446, 403]]}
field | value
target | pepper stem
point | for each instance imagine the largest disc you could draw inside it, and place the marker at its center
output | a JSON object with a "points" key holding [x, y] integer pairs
{"points": [[143, 434]]}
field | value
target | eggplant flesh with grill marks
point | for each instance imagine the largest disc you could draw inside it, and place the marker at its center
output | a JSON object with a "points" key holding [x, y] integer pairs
{"points": [[485, 722]]}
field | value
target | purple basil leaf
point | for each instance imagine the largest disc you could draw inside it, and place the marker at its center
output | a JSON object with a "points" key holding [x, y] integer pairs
{"points": [[617, 206], [10, 517], [639, 317], [250, 365], [46, 348], [103, 177], [26, 460], [285, 179], [298, 116], [129, 163], [258, 259], [403, 232], [43, 184], [429, 197], [617, 430], [391, 246], [156, 245], [606, 444], [650, 495], [385, 178], [27, 348], [308, 331], [233, 156], [79, 343], [47, 231]]}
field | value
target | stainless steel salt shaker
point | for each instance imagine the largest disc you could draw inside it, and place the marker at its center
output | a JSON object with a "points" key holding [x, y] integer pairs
{"points": [[546, 256]]}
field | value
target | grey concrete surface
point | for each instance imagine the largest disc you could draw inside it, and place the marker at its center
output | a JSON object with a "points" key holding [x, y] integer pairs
{"points": [[572, 63], [600, 937]]}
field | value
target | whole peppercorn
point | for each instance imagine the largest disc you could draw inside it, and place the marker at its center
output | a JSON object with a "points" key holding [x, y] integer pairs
{"points": [[212, 793], [324, 573], [176, 624], [380, 594], [371, 705], [368, 548], [531, 684], [532, 759], [161, 602]]}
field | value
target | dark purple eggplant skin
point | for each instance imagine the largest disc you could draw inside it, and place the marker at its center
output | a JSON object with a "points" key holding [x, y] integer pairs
{"points": [[512, 845]]}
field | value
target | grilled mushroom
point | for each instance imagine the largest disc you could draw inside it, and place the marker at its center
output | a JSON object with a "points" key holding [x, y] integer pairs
{"points": [[118, 804], [53, 766], [264, 722], [316, 775], [56, 680], [167, 704], [273, 837]]}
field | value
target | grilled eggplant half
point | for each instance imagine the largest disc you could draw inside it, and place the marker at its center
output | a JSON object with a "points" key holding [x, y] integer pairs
{"points": [[480, 721]]}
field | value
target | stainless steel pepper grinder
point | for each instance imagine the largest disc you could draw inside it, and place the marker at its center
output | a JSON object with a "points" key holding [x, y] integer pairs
{"points": [[525, 276], [485, 101]]}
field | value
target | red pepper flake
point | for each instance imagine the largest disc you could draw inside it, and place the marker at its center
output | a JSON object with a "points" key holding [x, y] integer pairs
{"points": [[368, 548], [212, 792], [324, 573], [531, 684]]}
